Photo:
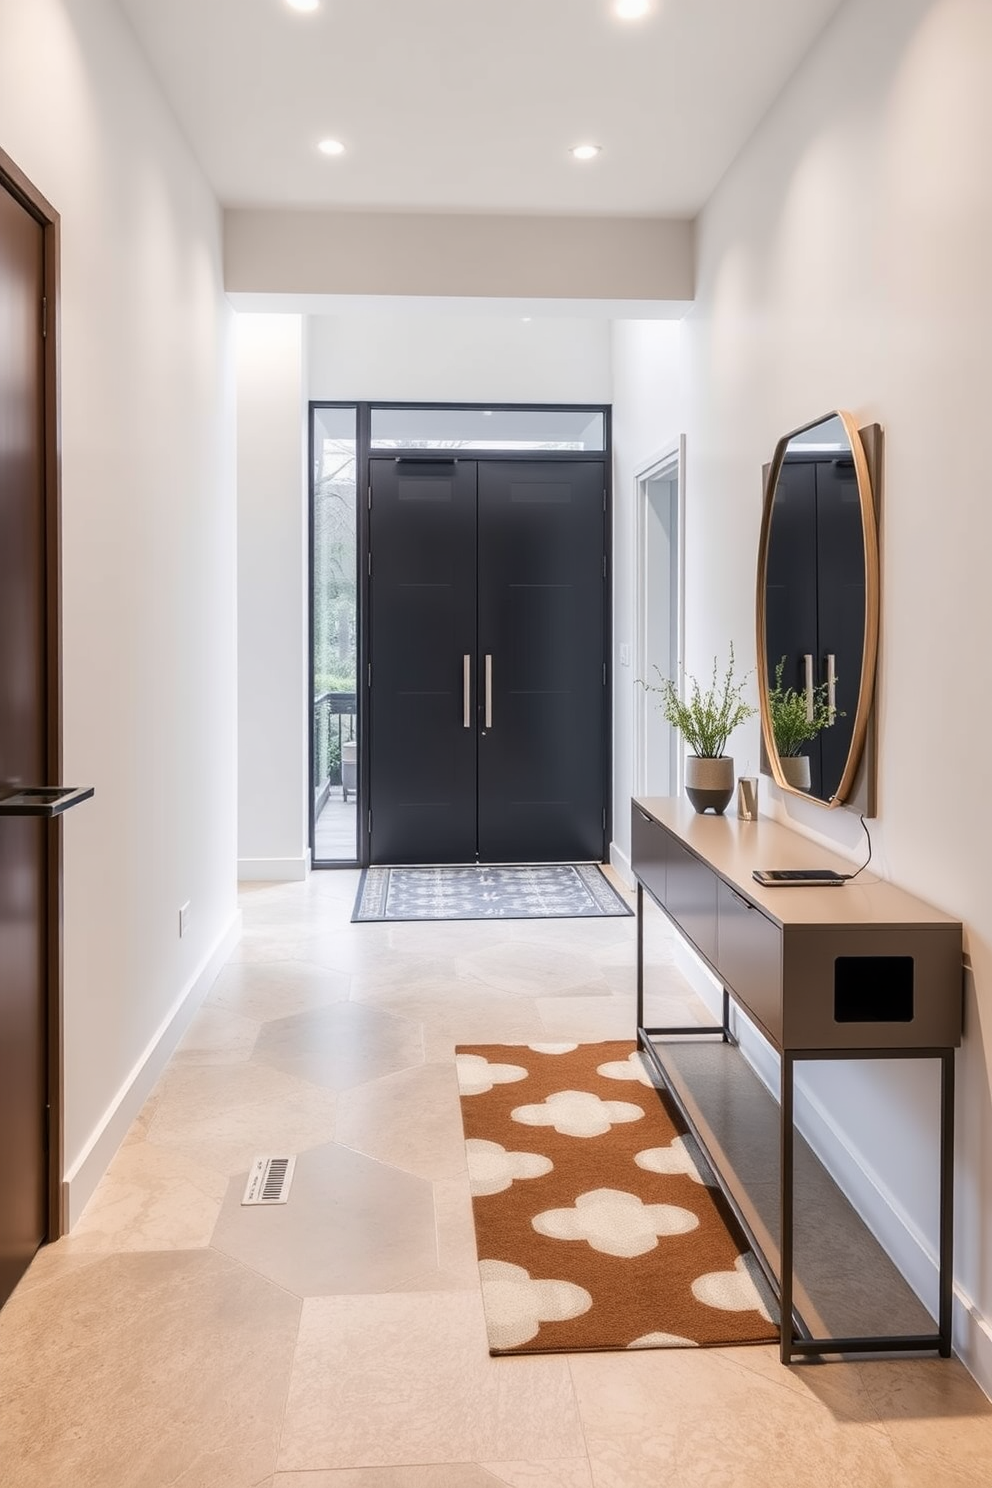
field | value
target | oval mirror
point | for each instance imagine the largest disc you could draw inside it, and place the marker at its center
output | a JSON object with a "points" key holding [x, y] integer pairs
{"points": [[817, 609]]}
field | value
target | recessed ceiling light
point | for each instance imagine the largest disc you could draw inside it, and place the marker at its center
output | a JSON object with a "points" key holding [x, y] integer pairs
{"points": [[586, 152], [303, 4], [631, 10], [331, 147]]}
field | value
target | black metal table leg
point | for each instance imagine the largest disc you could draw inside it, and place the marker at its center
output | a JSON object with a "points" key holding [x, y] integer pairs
{"points": [[787, 1134], [946, 1259], [640, 963]]}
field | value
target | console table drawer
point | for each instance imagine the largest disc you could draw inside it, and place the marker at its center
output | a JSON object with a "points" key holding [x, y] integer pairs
{"points": [[691, 898], [649, 853], [750, 959]]}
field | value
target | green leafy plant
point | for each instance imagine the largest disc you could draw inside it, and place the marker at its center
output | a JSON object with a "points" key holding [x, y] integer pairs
{"points": [[790, 724], [705, 719]]}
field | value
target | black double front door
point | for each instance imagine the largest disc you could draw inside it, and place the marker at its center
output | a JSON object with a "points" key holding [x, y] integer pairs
{"points": [[487, 694]]}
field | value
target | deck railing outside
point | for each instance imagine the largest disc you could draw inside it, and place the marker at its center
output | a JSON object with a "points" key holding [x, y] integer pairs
{"points": [[334, 729]]}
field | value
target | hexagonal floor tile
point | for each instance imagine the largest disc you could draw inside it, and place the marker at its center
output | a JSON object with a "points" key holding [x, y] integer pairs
{"points": [[266, 990], [351, 1225], [220, 1116], [146, 1368], [340, 1046], [411, 1120]]}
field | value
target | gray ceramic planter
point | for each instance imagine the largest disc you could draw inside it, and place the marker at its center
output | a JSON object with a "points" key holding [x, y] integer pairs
{"points": [[795, 768], [709, 783]]}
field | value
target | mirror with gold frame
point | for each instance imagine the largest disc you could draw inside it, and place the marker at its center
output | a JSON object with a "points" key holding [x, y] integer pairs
{"points": [[817, 611]]}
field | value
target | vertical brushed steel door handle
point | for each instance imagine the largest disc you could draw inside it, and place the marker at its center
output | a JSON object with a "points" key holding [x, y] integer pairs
{"points": [[832, 685], [489, 692], [808, 664], [466, 692]]}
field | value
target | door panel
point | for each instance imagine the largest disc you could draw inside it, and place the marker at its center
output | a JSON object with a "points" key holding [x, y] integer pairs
{"points": [[422, 622], [23, 746], [541, 613]]}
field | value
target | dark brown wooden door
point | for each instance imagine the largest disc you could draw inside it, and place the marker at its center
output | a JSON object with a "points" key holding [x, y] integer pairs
{"points": [[23, 746]]}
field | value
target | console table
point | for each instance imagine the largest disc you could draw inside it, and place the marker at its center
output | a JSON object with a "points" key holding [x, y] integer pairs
{"points": [[862, 971]]}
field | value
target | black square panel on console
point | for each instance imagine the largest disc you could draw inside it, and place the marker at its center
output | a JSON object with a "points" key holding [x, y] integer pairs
{"points": [[873, 989]]}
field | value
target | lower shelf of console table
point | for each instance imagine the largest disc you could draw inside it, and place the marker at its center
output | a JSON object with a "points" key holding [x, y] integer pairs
{"points": [[846, 1296]]}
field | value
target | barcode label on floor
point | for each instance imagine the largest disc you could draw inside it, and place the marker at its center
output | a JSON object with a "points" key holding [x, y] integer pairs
{"points": [[269, 1179]]}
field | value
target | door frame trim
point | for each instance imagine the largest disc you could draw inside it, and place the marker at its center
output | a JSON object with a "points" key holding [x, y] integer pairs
{"points": [[13, 180], [364, 455], [668, 462]]}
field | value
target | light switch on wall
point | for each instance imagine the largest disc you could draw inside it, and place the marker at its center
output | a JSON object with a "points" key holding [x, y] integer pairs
{"points": [[624, 654]]}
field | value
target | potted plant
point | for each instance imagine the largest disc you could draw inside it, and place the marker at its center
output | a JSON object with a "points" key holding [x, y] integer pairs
{"points": [[795, 721], [706, 720]]}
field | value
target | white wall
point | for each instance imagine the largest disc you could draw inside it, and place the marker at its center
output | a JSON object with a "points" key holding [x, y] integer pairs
{"points": [[647, 420], [149, 551], [451, 358], [843, 262], [273, 764]]}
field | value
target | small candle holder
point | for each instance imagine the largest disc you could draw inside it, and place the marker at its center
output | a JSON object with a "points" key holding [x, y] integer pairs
{"points": [[747, 798]]}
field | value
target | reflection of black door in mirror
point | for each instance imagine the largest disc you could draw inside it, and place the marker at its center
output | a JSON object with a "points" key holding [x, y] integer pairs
{"points": [[840, 606], [815, 595]]}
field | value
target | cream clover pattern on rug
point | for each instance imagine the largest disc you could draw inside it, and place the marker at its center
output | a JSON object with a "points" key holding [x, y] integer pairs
{"points": [[491, 1169], [476, 1076], [631, 1068], [682, 1155], [577, 1113], [741, 1290], [594, 1224], [615, 1223], [516, 1304]]}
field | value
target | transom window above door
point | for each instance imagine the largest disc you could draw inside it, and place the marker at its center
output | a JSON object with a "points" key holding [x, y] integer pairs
{"points": [[556, 430]]}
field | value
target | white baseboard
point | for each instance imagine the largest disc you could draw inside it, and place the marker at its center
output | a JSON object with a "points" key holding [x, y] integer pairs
{"points": [[620, 861], [698, 975], [885, 1217], [84, 1175], [972, 1336], [274, 870]]}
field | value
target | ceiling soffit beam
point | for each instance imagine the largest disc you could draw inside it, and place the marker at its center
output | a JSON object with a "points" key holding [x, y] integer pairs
{"points": [[272, 251]]}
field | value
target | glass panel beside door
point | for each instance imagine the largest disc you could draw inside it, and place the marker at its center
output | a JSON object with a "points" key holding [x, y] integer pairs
{"points": [[335, 716]]}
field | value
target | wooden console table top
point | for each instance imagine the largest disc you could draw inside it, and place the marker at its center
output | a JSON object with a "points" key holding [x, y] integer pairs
{"points": [[732, 848]]}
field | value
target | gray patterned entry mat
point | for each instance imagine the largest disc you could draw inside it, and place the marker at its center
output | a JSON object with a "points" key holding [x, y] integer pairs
{"points": [[534, 892]]}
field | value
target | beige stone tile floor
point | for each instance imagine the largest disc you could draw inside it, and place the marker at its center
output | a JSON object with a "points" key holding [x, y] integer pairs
{"points": [[176, 1340]]}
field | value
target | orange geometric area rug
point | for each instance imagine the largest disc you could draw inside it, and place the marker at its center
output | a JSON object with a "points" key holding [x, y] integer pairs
{"points": [[597, 1221]]}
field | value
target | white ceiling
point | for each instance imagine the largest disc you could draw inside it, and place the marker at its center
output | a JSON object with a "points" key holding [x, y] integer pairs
{"points": [[471, 105]]}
